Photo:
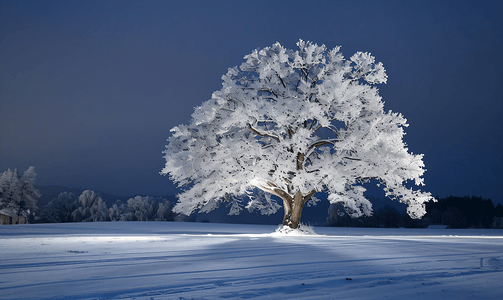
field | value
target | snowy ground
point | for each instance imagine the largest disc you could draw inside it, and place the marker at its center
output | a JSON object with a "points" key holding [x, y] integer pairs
{"points": [[167, 260]]}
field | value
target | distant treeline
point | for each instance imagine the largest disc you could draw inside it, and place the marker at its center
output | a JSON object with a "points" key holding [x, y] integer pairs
{"points": [[19, 197], [455, 212], [90, 207]]}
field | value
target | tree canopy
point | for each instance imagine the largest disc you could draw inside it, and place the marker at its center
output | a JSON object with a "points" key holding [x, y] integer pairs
{"points": [[18, 196], [290, 124]]}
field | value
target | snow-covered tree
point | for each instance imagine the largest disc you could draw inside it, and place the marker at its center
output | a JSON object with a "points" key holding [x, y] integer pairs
{"points": [[164, 212], [91, 208], [293, 123], [142, 209], [28, 194], [9, 185], [121, 213], [145, 208], [59, 209], [19, 195]]}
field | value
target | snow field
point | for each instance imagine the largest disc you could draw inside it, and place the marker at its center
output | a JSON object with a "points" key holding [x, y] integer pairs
{"points": [[168, 260]]}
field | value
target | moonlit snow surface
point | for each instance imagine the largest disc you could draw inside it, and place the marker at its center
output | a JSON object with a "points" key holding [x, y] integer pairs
{"points": [[168, 260]]}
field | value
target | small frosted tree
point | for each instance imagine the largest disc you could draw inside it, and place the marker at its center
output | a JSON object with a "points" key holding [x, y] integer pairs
{"points": [[19, 195], [145, 208], [10, 197], [28, 194], [164, 212], [290, 124], [91, 208], [142, 209], [121, 213], [59, 209]]}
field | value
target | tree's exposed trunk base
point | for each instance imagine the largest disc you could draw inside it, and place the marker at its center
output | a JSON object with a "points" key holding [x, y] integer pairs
{"points": [[293, 208]]}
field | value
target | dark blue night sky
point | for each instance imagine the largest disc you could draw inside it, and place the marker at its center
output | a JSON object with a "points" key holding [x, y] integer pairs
{"points": [[90, 89]]}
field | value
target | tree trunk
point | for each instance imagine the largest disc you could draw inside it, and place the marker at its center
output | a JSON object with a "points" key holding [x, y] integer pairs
{"points": [[293, 208], [19, 212]]}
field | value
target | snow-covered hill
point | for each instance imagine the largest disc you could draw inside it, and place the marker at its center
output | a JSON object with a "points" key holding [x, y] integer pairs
{"points": [[167, 260]]}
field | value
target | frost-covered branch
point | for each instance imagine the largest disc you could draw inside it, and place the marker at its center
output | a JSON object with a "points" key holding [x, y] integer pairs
{"points": [[263, 134]]}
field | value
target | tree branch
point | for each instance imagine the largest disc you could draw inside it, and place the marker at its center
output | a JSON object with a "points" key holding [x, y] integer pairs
{"points": [[300, 160], [273, 189], [308, 196], [352, 158], [322, 143], [263, 134], [306, 73], [290, 131], [281, 79], [283, 195], [334, 131], [270, 91]]}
